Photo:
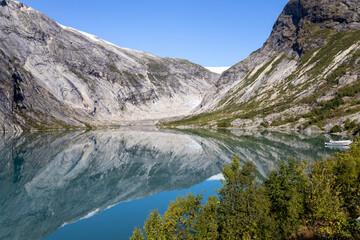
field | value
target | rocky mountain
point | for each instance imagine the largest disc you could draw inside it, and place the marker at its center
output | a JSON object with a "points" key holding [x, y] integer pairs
{"points": [[53, 76], [307, 74], [54, 178]]}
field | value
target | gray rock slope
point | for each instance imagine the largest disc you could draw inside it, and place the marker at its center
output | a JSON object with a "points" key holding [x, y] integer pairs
{"points": [[54, 76], [312, 58], [51, 179]]}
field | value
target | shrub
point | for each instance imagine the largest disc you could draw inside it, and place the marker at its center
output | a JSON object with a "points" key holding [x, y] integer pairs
{"points": [[224, 124], [336, 129], [349, 125], [264, 124]]}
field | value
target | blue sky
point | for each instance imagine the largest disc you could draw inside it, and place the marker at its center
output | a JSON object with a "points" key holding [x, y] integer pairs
{"points": [[208, 32]]}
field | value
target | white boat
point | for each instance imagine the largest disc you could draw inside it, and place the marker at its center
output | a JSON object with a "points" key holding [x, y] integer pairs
{"points": [[339, 143]]}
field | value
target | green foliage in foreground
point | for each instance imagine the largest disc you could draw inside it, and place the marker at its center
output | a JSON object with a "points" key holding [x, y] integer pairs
{"points": [[298, 200]]}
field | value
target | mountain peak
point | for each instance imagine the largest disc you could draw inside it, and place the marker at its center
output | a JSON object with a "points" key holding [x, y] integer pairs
{"points": [[300, 19], [15, 4], [3, 3], [306, 76]]}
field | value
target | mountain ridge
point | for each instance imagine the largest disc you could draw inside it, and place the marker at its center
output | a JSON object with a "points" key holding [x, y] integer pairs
{"points": [[305, 77], [55, 77], [310, 59]]}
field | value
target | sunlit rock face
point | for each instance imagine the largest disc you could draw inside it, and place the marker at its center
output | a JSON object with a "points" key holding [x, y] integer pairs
{"points": [[48, 180], [54, 76]]}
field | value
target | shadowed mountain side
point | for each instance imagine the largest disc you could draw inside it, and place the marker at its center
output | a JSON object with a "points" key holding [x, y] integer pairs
{"points": [[48, 180]]}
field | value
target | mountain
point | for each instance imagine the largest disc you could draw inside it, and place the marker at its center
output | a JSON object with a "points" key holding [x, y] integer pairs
{"points": [[53, 76], [305, 75]]}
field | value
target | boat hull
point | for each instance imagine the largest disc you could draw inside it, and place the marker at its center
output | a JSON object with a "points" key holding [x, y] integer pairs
{"points": [[338, 143]]}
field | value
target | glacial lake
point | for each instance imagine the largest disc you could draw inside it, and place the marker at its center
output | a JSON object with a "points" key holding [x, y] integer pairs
{"points": [[101, 184]]}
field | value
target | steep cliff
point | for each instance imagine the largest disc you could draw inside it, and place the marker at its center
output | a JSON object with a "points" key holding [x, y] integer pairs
{"points": [[307, 73], [54, 76]]}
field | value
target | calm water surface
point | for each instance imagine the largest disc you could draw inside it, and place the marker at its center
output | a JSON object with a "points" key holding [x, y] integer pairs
{"points": [[101, 184]]}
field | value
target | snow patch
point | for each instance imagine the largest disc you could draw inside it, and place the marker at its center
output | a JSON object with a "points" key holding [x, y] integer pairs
{"points": [[218, 70], [64, 224], [90, 214], [194, 145], [24, 6], [193, 104], [217, 177], [99, 40], [88, 35]]}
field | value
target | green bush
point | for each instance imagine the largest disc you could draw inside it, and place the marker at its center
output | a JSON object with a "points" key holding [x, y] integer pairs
{"points": [[336, 129], [264, 124], [224, 124], [350, 125]]}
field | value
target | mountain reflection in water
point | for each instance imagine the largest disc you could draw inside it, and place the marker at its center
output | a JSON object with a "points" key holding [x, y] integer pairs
{"points": [[51, 179]]}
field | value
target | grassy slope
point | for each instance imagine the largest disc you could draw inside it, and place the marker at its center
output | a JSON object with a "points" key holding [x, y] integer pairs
{"points": [[319, 58]]}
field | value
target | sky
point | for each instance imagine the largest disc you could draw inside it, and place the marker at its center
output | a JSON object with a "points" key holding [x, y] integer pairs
{"points": [[212, 33]]}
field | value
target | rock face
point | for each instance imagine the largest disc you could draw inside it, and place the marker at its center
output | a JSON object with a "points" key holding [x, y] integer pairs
{"points": [[307, 72], [293, 26], [54, 76]]}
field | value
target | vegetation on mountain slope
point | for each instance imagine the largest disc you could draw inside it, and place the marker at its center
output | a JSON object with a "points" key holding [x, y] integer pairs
{"points": [[319, 84], [307, 73]]}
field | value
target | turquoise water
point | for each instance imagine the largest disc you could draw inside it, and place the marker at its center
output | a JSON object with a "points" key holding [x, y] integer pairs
{"points": [[118, 222], [101, 184]]}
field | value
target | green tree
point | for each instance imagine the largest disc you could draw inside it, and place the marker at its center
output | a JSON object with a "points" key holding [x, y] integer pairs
{"points": [[298, 200], [347, 171], [324, 202], [207, 221], [137, 234], [181, 217], [154, 226], [285, 188], [243, 207]]}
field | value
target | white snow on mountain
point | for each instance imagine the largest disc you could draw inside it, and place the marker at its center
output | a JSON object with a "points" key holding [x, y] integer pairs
{"points": [[218, 70]]}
